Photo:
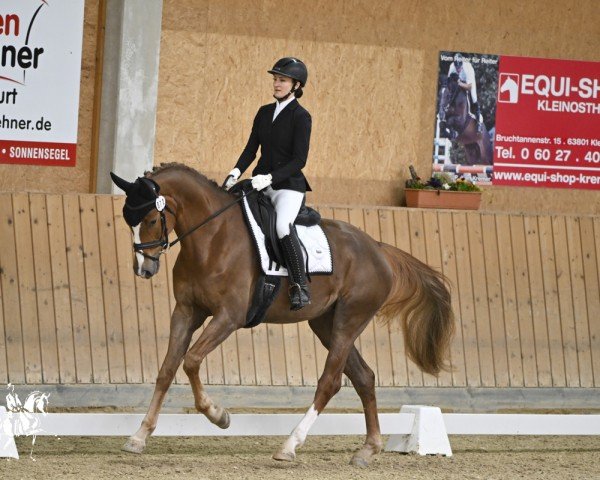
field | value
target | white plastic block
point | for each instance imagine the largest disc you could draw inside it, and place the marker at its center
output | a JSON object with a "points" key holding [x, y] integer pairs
{"points": [[7, 439], [428, 435]]}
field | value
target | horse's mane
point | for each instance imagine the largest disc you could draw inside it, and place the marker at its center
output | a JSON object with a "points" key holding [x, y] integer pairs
{"points": [[174, 166]]}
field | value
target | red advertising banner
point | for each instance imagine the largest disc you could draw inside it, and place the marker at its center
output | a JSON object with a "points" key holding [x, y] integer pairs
{"points": [[38, 153], [547, 123], [518, 121]]}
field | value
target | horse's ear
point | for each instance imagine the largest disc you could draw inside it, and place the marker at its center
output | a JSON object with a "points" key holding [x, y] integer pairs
{"points": [[121, 183]]}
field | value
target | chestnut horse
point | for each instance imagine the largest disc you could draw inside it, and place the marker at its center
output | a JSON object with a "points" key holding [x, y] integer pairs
{"points": [[454, 112], [215, 274]]}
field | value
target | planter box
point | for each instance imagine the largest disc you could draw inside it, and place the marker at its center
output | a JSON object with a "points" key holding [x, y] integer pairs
{"points": [[442, 199]]}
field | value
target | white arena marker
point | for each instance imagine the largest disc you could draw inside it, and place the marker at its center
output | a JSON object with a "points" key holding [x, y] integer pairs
{"points": [[7, 440], [428, 435]]}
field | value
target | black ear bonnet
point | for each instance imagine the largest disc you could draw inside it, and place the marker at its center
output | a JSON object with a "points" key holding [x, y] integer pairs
{"points": [[141, 198]]}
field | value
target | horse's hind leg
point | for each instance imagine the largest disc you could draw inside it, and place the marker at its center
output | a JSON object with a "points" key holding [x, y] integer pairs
{"points": [[288, 451], [363, 380], [346, 326]]}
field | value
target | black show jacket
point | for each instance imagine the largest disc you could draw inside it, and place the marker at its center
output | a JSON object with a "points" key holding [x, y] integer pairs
{"points": [[284, 146]]}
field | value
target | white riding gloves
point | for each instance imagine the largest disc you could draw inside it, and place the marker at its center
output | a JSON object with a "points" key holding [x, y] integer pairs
{"points": [[260, 182], [232, 178]]}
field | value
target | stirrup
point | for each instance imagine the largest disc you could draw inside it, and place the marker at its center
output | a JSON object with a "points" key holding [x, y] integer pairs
{"points": [[299, 296]]}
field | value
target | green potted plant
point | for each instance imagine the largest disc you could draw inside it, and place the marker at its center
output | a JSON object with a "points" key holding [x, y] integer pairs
{"points": [[440, 191]]}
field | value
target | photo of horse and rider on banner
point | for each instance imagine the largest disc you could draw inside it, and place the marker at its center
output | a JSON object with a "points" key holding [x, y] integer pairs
{"points": [[466, 115], [517, 121]]}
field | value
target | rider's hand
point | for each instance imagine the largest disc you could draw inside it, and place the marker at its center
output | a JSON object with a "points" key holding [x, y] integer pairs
{"points": [[232, 178], [260, 182]]}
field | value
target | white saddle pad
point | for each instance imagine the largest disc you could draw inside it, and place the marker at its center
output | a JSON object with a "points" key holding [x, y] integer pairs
{"points": [[313, 238]]}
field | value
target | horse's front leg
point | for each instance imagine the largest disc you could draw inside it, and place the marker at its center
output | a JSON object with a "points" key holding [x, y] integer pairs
{"points": [[221, 326], [183, 323]]}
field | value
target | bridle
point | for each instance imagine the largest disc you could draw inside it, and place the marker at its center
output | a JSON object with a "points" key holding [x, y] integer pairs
{"points": [[160, 204], [452, 98], [456, 90]]}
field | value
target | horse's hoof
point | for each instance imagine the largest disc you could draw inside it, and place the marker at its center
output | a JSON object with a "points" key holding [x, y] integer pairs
{"points": [[133, 445], [224, 421], [284, 456], [362, 458], [359, 461]]}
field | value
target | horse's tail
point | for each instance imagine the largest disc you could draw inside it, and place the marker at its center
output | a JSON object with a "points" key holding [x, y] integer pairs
{"points": [[420, 299]]}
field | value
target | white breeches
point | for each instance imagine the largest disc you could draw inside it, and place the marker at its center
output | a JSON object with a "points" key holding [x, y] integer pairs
{"points": [[473, 91], [287, 204]]}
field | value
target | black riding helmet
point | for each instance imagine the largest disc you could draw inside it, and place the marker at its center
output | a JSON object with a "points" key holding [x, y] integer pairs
{"points": [[291, 67], [458, 60]]}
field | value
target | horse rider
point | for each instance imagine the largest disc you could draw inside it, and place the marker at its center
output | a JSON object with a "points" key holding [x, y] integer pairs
{"points": [[466, 81], [282, 130]]}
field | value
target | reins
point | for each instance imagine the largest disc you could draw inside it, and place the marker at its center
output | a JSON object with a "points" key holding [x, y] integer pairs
{"points": [[210, 217], [163, 241]]}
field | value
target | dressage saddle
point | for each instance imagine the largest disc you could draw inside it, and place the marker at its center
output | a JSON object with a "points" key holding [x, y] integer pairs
{"points": [[265, 215], [263, 211]]}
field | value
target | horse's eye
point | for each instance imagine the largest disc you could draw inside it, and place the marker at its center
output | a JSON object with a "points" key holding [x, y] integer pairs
{"points": [[153, 222]]}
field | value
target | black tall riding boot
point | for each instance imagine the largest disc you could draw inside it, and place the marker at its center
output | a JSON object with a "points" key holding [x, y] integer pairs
{"points": [[299, 293]]}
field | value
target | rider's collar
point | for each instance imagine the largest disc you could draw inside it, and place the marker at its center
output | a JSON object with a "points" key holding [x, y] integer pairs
{"points": [[279, 106]]}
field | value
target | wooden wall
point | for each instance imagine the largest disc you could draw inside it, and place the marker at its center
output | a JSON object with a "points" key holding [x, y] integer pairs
{"points": [[526, 295], [371, 90], [373, 70]]}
